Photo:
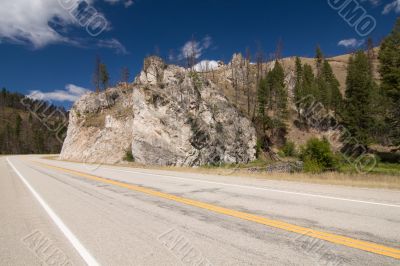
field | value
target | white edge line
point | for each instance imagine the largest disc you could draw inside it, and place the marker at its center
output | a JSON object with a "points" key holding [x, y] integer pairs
{"points": [[260, 188], [83, 252]]}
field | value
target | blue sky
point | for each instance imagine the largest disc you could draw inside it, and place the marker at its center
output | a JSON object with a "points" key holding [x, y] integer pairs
{"points": [[44, 48]]}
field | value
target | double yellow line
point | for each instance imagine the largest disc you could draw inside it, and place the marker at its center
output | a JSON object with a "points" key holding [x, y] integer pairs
{"points": [[337, 239]]}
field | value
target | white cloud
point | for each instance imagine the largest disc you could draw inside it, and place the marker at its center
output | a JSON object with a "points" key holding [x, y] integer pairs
{"points": [[127, 3], [28, 21], [393, 6], [33, 23], [353, 43], [24, 20], [207, 42], [206, 65], [113, 44], [71, 93], [372, 2], [194, 48]]}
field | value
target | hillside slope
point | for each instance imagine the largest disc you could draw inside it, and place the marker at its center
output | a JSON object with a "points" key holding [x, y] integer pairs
{"points": [[30, 127], [237, 80]]}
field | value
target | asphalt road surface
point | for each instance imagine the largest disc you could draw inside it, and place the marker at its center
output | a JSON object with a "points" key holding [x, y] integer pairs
{"points": [[62, 213]]}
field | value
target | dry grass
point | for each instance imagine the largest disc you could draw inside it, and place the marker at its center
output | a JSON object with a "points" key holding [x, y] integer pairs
{"points": [[331, 178], [94, 120]]}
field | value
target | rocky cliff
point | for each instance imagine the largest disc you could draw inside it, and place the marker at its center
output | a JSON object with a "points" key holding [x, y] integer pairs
{"points": [[168, 116]]}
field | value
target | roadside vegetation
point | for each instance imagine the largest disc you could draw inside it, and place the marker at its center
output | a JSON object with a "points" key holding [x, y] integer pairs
{"points": [[129, 156], [30, 126], [366, 115]]}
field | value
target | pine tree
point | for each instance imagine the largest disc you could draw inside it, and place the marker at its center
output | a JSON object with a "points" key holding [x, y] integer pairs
{"points": [[281, 92], [323, 94], [308, 82], [273, 100], [370, 53], [278, 102], [334, 97], [298, 87], [389, 58], [357, 115], [18, 122], [319, 58], [322, 91], [262, 96]]}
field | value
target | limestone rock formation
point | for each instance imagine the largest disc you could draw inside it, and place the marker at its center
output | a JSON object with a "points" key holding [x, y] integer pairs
{"points": [[168, 116], [100, 127]]}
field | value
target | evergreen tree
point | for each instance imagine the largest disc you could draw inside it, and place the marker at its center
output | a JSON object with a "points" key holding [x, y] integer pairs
{"points": [[334, 97], [320, 85], [357, 115], [389, 58], [273, 101], [262, 96], [323, 93], [308, 82], [298, 87], [319, 58], [278, 102], [18, 122], [370, 53], [281, 92]]}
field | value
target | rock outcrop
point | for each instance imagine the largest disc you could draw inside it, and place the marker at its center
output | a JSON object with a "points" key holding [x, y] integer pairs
{"points": [[100, 127], [168, 116]]}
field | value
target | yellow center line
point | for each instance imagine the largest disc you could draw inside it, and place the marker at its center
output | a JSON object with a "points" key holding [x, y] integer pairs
{"points": [[333, 238]]}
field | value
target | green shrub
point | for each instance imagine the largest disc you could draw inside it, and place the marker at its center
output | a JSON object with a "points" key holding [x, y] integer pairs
{"points": [[129, 156], [289, 149], [389, 157], [312, 166], [318, 156]]}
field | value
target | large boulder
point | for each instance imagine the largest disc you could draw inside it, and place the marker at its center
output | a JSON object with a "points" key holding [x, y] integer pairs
{"points": [[169, 116], [100, 127]]}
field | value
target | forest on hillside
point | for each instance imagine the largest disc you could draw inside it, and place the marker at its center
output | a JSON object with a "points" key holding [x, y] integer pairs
{"points": [[365, 116], [30, 126]]}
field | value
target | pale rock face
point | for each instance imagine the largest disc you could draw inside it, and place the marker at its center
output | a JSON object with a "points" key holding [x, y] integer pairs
{"points": [[189, 128], [170, 116], [96, 131]]}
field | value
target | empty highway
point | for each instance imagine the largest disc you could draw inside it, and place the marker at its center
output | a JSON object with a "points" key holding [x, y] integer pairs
{"points": [[64, 213]]}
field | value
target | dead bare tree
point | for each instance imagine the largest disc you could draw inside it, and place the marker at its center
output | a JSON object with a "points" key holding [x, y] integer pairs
{"points": [[234, 82], [192, 54], [96, 74], [247, 78], [279, 49], [171, 56], [125, 76]]}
